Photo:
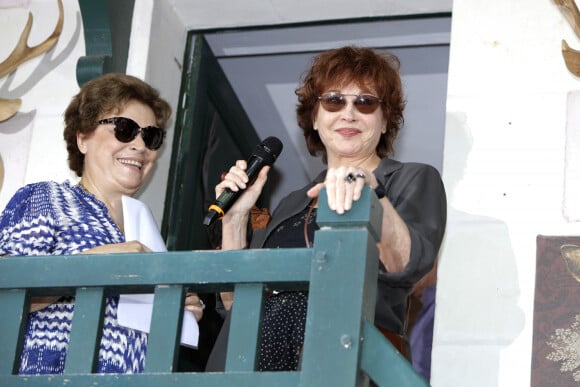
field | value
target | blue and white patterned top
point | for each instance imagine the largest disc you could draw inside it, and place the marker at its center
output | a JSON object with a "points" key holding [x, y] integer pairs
{"points": [[50, 218]]}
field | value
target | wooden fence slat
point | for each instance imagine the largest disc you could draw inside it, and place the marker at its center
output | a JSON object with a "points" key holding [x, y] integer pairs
{"points": [[208, 379], [165, 332], [13, 302], [343, 285], [211, 269], [85, 335], [245, 328], [333, 338], [382, 362]]}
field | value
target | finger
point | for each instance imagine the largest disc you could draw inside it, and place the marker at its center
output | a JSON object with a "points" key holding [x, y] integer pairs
{"points": [[193, 302], [349, 191], [192, 308], [314, 192], [228, 184], [234, 180], [134, 246], [190, 298], [330, 183], [242, 164], [196, 310], [249, 196], [339, 189], [359, 185], [237, 175], [223, 185], [344, 187]]}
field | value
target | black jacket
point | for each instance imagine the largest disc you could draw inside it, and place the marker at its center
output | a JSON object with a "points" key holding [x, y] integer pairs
{"points": [[417, 193]]}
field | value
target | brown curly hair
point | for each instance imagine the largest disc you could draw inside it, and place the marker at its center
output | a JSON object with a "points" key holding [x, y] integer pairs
{"points": [[367, 68], [106, 94]]}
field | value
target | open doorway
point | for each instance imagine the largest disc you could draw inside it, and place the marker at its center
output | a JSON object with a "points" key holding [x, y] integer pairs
{"points": [[264, 67], [259, 69]]}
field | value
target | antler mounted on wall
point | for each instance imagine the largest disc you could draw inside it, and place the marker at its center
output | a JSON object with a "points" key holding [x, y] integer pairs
{"points": [[21, 53], [572, 15]]}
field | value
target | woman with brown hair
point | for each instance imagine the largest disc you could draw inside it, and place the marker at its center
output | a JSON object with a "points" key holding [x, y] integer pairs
{"points": [[350, 109], [114, 128]]}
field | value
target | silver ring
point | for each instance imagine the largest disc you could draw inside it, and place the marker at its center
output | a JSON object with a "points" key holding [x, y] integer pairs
{"points": [[350, 178], [201, 304]]}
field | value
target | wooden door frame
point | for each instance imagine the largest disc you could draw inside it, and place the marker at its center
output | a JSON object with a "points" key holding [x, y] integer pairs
{"points": [[204, 91]]}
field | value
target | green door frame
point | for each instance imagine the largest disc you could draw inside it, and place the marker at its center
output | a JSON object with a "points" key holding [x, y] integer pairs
{"points": [[212, 131]]}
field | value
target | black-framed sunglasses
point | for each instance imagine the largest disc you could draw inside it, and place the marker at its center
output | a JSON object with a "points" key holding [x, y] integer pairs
{"points": [[126, 130], [364, 103]]}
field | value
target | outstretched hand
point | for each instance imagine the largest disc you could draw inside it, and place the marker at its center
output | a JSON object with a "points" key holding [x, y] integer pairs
{"points": [[125, 247], [194, 303], [38, 303], [344, 186]]}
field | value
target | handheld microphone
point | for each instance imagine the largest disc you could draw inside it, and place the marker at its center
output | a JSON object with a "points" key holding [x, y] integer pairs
{"points": [[264, 154]]}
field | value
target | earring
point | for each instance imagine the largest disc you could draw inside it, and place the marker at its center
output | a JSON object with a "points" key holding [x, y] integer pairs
{"points": [[83, 148]]}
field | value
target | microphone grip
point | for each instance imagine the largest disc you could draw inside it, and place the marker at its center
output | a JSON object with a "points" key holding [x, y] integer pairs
{"points": [[212, 215], [218, 208]]}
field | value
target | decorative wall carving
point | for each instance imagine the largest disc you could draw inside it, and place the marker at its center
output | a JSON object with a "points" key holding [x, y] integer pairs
{"points": [[23, 52], [572, 15], [556, 336]]}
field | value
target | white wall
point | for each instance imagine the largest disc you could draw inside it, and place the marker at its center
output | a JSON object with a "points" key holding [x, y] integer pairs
{"points": [[31, 143], [158, 61], [504, 171]]}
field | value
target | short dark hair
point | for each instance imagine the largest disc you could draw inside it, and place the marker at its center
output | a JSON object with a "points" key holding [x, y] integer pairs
{"points": [[366, 67], [107, 93]]}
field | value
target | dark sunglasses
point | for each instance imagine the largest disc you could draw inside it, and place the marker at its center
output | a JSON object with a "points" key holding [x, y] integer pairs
{"points": [[126, 130], [364, 103]]}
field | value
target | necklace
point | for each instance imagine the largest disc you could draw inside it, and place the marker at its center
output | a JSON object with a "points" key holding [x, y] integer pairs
{"points": [[80, 184], [307, 221], [119, 226]]}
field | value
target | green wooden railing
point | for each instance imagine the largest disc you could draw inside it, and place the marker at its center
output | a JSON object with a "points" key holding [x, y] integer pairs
{"points": [[341, 348]]}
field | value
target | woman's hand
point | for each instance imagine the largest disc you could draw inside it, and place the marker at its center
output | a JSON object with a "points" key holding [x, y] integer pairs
{"points": [[38, 303], [344, 186], [227, 299], [125, 247], [235, 220], [194, 304], [236, 179]]}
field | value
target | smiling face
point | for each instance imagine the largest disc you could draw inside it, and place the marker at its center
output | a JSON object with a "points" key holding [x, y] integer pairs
{"points": [[349, 136], [112, 167]]}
